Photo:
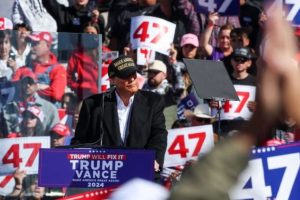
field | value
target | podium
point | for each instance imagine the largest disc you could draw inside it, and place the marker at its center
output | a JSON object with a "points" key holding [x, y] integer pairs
{"points": [[93, 168]]}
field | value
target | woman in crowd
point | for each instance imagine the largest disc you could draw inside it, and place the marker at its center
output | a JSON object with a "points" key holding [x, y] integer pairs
{"points": [[7, 61], [32, 122], [21, 48], [224, 47]]}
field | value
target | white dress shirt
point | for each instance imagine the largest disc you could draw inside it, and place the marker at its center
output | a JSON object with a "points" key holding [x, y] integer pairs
{"points": [[123, 114]]}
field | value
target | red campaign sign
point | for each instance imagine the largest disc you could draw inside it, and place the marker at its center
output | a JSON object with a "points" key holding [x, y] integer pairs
{"points": [[152, 32], [7, 184], [21, 153], [236, 109], [103, 193], [186, 144]]}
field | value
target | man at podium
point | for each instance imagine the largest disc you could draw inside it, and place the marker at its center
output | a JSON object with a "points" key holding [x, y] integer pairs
{"points": [[125, 116]]}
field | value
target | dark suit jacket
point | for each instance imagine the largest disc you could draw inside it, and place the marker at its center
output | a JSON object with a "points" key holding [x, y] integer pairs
{"points": [[146, 126]]}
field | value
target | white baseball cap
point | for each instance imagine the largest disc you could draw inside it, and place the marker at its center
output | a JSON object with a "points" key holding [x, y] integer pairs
{"points": [[203, 111]]}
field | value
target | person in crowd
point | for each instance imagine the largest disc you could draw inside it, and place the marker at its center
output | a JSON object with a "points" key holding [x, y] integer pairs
{"points": [[228, 159], [82, 70], [51, 75], [249, 19], [157, 82], [28, 95], [58, 134], [125, 116], [32, 122], [6, 56], [21, 47], [26, 187], [69, 102], [240, 62], [72, 18], [223, 47], [239, 37], [34, 14]]}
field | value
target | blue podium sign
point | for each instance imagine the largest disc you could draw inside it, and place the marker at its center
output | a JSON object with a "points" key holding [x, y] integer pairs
{"points": [[93, 168], [223, 7], [273, 173]]}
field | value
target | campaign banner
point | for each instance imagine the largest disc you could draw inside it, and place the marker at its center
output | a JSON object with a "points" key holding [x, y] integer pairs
{"points": [[145, 56], [186, 144], [7, 184], [238, 109], [272, 173], [102, 193], [21, 153], [223, 7], [291, 9], [152, 32], [93, 168]]}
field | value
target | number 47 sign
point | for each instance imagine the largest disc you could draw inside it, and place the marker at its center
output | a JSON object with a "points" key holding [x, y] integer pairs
{"points": [[223, 7], [186, 144], [152, 32], [21, 153]]}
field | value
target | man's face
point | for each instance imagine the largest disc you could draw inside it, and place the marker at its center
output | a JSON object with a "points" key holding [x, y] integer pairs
{"points": [[40, 48], [239, 41], [58, 141], [29, 87], [240, 64], [155, 78], [22, 34], [126, 86]]}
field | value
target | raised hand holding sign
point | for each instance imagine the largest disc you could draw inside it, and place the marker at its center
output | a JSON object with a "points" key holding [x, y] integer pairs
{"points": [[223, 7]]}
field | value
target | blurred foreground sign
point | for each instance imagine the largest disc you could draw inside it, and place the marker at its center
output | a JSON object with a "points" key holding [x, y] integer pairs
{"points": [[272, 173]]}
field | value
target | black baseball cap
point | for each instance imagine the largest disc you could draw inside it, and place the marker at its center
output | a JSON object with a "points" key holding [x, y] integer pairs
{"points": [[242, 52], [122, 67]]}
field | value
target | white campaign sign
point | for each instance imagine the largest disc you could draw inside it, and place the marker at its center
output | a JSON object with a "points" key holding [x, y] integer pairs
{"points": [[145, 56], [186, 144], [152, 32], [236, 109], [7, 184], [21, 153]]}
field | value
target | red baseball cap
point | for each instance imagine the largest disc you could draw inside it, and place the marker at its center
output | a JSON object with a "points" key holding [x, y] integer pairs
{"points": [[36, 37], [5, 23], [61, 129]]}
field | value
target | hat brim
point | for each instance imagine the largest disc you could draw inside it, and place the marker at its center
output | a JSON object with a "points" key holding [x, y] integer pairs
{"points": [[126, 72], [201, 115]]}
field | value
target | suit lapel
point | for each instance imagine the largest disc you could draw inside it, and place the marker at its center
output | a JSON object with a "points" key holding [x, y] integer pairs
{"points": [[111, 120]]}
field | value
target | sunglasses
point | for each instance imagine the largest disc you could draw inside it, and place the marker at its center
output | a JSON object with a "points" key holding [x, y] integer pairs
{"points": [[240, 60]]}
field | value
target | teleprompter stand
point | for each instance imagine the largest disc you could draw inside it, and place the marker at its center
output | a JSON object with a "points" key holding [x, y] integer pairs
{"points": [[211, 82]]}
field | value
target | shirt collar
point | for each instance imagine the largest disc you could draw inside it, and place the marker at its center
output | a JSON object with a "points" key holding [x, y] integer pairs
{"points": [[121, 103]]}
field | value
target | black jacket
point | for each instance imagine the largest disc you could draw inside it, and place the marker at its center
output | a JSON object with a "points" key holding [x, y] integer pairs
{"points": [[146, 126]]}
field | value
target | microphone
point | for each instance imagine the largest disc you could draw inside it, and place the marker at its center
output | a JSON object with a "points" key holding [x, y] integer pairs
{"points": [[108, 94]]}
